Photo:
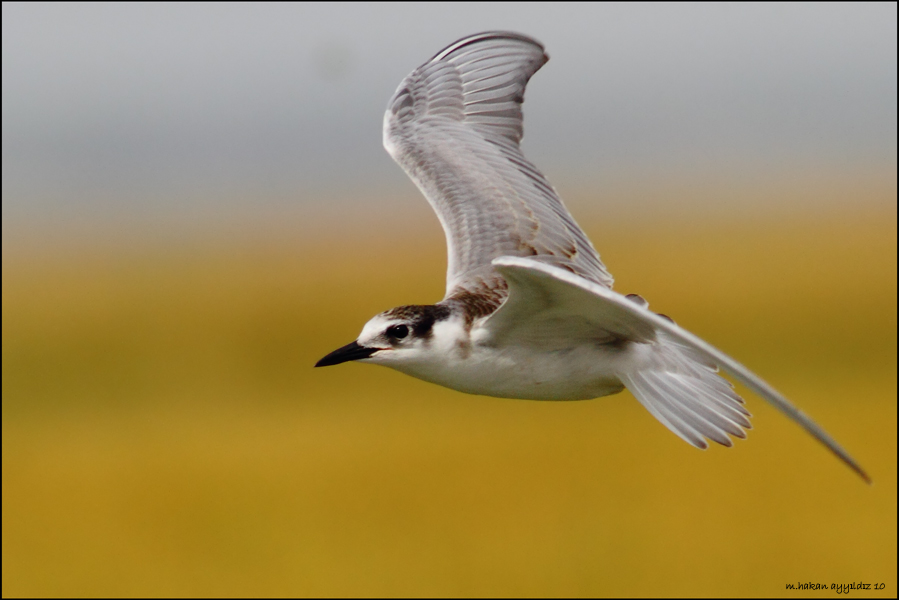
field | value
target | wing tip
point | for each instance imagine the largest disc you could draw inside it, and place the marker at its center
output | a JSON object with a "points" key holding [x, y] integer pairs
{"points": [[488, 35]]}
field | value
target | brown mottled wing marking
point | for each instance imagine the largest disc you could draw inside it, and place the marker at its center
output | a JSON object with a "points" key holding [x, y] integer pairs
{"points": [[454, 125]]}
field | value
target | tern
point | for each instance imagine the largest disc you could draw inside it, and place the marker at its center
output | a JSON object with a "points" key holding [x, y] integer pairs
{"points": [[529, 310]]}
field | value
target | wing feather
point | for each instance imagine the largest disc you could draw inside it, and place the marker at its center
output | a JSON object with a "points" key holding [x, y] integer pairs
{"points": [[455, 125], [685, 373]]}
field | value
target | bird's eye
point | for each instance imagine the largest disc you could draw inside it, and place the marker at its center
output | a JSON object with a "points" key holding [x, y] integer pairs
{"points": [[397, 332]]}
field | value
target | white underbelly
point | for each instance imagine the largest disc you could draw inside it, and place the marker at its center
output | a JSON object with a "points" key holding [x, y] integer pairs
{"points": [[580, 373]]}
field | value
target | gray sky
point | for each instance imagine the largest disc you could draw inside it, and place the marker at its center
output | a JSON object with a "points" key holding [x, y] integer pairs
{"points": [[173, 108]]}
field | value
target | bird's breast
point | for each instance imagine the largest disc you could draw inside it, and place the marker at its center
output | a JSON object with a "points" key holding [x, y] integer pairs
{"points": [[578, 373]]}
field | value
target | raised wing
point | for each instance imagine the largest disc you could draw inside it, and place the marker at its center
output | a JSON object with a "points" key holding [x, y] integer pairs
{"points": [[454, 125], [677, 385]]}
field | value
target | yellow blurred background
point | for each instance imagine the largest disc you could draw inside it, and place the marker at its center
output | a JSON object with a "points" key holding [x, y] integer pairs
{"points": [[196, 208], [164, 432]]}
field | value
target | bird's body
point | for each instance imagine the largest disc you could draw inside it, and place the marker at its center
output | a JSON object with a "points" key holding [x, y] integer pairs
{"points": [[529, 310], [573, 369]]}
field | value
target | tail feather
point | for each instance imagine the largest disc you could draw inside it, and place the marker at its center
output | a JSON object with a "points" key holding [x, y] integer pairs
{"points": [[688, 396], [707, 407], [662, 409]]}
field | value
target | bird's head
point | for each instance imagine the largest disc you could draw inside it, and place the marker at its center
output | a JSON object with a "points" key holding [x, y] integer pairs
{"points": [[396, 337]]}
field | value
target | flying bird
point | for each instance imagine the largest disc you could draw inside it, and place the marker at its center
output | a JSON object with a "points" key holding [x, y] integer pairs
{"points": [[529, 310]]}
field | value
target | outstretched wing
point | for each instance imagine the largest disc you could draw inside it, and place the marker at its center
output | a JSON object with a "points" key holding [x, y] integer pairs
{"points": [[677, 384], [454, 125]]}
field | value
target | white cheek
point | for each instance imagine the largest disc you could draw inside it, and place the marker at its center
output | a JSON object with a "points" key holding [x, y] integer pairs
{"points": [[381, 357]]}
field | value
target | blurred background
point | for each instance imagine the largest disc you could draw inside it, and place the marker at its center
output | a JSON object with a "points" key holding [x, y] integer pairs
{"points": [[197, 206]]}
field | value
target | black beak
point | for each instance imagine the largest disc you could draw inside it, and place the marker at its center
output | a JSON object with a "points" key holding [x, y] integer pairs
{"points": [[351, 351]]}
